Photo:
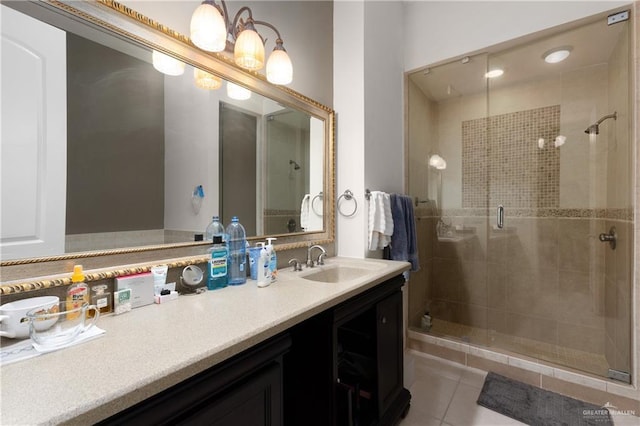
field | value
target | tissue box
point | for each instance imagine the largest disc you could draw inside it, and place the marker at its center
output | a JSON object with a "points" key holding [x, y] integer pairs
{"points": [[141, 286]]}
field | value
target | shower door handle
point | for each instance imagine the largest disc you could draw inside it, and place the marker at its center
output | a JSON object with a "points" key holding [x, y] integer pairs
{"points": [[500, 217]]}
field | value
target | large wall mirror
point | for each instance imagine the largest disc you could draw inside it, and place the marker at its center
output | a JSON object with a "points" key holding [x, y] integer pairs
{"points": [[102, 153]]}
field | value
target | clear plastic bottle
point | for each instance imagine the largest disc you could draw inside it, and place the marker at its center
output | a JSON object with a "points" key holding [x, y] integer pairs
{"points": [[218, 264], [237, 243], [214, 228]]}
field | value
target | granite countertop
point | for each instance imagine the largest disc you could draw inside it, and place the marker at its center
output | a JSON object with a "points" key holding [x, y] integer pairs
{"points": [[155, 347]]}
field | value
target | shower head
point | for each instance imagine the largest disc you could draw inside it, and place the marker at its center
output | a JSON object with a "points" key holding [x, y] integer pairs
{"points": [[296, 166], [594, 129]]}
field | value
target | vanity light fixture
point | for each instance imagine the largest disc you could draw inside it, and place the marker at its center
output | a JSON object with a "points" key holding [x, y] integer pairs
{"points": [[236, 92], [213, 30], [496, 72], [166, 64], [557, 54], [205, 80]]}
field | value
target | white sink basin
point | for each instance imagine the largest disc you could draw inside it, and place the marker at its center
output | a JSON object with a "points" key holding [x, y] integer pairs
{"points": [[336, 274]]}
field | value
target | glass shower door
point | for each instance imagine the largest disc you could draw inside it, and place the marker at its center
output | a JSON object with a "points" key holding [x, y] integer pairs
{"points": [[559, 292]]}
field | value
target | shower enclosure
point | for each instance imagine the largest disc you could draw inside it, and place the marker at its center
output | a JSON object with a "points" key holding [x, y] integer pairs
{"points": [[524, 218]]}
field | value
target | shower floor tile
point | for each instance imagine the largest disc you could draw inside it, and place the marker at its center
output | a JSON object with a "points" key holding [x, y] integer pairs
{"points": [[580, 360]]}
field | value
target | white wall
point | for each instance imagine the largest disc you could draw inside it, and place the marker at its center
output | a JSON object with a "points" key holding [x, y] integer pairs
{"points": [[348, 77], [303, 26], [438, 30]]}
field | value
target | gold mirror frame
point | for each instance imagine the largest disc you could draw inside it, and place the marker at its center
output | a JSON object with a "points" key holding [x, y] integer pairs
{"points": [[108, 15]]}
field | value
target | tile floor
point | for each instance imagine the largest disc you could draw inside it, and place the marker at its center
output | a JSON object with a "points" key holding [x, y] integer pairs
{"points": [[444, 393]]}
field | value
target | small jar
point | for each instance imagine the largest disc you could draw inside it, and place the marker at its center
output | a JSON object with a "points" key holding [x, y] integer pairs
{"points": [[101, 298]]}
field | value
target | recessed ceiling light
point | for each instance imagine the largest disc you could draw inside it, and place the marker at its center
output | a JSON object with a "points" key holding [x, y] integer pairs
{"points": [[496, 72], [556, 55]]}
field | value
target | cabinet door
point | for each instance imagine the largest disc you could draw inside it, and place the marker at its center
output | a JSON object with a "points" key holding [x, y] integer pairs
{"points": [[256, 402], [389, 342]]}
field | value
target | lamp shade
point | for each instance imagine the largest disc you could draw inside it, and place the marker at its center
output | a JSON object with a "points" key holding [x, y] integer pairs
{"points": [[208, 30], [166, 64], [279, 67], [237, 92], [205, 80], [249, 50]]}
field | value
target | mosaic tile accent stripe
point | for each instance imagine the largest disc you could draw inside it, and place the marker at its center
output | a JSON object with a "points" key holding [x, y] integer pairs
{"points": [[611, 214], [501, 157]]}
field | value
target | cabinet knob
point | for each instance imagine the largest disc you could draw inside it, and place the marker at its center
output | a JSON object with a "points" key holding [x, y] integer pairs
{"points": [[383, 320]]}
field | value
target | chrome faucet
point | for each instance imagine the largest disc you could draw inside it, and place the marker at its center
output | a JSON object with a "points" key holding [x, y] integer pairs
{"points": [[321, 256], [297, 265]]}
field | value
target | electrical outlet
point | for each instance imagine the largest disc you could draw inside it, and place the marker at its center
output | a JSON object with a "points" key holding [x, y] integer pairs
{"points": [[618, 17]]}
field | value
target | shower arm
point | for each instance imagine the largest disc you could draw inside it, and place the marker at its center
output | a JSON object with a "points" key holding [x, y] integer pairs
{"points": [[595, 127], [614, 116]]}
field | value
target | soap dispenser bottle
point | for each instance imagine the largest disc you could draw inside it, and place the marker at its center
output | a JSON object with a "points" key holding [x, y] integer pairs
{"points": [[264, 270], [273, 259]]}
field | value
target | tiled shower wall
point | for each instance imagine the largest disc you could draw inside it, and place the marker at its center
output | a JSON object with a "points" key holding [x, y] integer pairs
{"points": [[501, 157], [541, 278]]}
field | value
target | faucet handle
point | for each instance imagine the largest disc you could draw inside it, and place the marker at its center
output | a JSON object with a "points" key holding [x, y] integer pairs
{"points": [[297, 266], [321, 257]]}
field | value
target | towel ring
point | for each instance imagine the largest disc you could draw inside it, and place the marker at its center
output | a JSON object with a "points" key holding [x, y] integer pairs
{"points": [[313, 200], [348, 195]]}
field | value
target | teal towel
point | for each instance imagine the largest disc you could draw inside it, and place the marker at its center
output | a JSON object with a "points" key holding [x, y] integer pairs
{"points": [[404, 242]]}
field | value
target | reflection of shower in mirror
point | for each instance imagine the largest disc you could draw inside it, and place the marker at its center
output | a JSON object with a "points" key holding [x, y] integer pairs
{"points": [[296, 166]]}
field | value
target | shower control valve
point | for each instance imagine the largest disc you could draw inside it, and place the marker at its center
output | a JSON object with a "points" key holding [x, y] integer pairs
{"points": [[611, 237]]}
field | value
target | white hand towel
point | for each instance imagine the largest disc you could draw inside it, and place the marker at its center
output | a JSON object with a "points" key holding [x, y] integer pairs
{"points": [[304, 211], [380, 220]]}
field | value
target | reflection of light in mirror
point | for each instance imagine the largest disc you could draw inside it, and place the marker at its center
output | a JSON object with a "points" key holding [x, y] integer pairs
{"points": [[205, 80], [237, 92], [166, 64]]}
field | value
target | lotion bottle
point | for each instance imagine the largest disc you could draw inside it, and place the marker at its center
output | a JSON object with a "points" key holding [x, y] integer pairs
{"points": [[273, 259], [78, 293]]}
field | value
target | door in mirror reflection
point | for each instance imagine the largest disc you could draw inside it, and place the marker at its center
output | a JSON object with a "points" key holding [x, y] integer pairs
{"points": [[238, 167]]}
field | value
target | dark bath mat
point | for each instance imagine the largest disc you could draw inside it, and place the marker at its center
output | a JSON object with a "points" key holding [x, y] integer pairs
{"points": [[538, 407]]}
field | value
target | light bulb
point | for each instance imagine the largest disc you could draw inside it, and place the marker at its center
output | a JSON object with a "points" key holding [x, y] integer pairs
{"points": [[208, 30], [560, 140], [497, 72], [249, 50], [279, 67]]}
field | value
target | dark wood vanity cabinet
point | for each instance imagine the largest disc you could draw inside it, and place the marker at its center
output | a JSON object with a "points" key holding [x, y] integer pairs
{"points": [[345, 366], [243, 391]]}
